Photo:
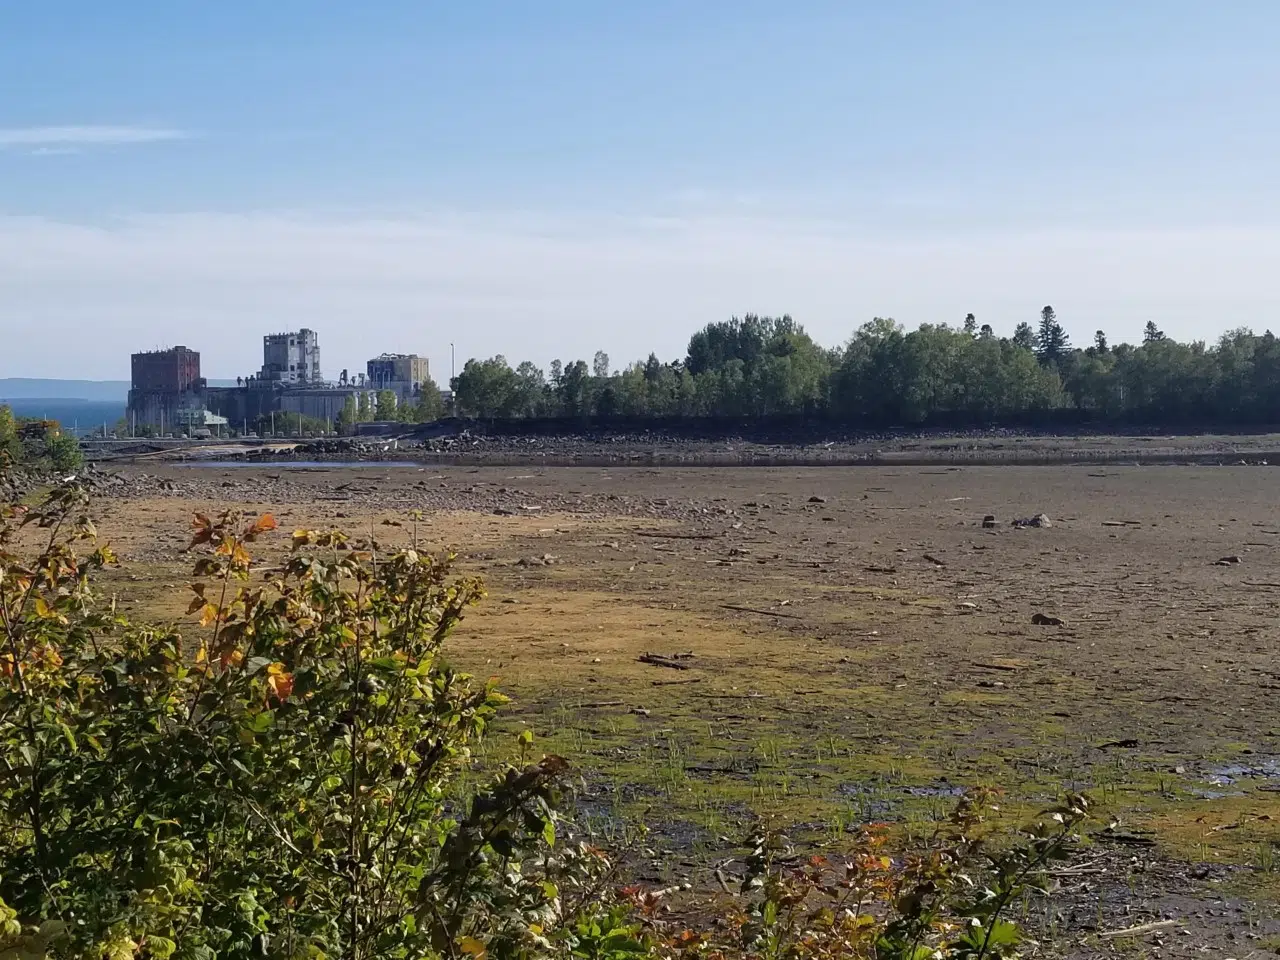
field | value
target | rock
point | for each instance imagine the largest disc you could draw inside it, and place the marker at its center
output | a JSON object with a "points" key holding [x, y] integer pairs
{"points": [[817, 499], [1039, 520], [1044, 620], [988, 522], [1227, 561]]}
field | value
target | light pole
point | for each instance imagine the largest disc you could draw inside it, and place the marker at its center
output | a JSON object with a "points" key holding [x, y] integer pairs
{"points": [[452, 371]]}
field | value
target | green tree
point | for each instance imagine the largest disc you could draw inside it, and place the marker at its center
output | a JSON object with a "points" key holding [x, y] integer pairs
{"points": [[971, 325], [1051, 342], [348, 415], [600, 365], [1024, 337], [1151, 333], [533, 395], [10, 448], [364, 409], [62, 449], [488, 388], [428, 405], [386, 405], [575, 390]]}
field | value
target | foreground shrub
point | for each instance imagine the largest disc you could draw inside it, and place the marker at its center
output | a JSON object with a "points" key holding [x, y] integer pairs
{"points": [[282, 783]]}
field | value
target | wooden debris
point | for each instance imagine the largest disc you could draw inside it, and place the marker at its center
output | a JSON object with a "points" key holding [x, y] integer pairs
{"points": [[763, 613], [671, 662]]}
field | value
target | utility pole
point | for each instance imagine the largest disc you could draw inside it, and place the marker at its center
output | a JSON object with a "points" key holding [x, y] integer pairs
{"points": [[452, 371]]}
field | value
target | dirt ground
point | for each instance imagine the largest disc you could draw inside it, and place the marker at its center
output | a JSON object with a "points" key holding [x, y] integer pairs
{"points": [[842, 645]]}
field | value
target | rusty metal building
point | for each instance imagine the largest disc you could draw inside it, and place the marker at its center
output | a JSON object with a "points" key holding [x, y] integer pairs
{"points": [[166, 391], [174, 370]]}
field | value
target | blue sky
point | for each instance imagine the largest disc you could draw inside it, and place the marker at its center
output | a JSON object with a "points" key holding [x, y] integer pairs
{"points": [[548, 179]]}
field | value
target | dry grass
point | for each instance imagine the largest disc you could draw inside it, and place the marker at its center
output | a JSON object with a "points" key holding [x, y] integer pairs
{"points": [[863, 680]]}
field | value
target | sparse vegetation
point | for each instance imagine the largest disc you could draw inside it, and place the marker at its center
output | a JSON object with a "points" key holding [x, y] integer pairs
{"points": [[36, 444], [293, 776]]}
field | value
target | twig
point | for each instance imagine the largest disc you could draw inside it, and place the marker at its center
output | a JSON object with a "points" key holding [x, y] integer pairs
{"points": [[1140, 929]]}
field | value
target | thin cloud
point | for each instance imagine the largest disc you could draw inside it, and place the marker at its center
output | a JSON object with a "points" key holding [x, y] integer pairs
{"points": [[539, 286], [38, 138]]}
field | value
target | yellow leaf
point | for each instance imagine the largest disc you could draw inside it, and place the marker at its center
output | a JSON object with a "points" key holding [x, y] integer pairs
{"points": [[473, 947], [279, 681]]}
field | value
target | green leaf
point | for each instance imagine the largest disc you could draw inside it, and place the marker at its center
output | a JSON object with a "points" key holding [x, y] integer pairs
{"points": [[160, 947]]}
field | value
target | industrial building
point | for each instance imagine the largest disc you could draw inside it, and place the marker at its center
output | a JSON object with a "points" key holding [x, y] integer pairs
{"points": [[291, 357], [402, 373], [169, 395]]}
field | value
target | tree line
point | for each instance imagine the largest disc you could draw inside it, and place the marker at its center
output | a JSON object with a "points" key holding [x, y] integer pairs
{"points": [[426, 405], [885, 375]]}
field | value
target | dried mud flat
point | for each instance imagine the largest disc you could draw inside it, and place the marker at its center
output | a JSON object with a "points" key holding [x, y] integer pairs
{"points": [[820, 647]]}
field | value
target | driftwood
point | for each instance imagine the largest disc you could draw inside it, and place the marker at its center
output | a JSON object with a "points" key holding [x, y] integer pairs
{"points": [[763, 613], [660, 661]]}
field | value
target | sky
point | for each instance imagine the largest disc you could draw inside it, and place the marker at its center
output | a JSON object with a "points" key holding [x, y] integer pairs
{"points": [[543, 180]]}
